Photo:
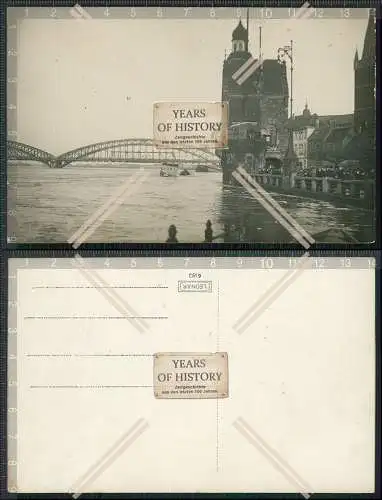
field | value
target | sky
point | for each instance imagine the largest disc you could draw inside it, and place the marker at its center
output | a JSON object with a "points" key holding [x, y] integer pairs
{"points": [[81, 82]]}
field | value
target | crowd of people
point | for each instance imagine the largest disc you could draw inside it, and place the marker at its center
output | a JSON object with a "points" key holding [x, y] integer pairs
{"points": [[270, 170], [335, 172]]}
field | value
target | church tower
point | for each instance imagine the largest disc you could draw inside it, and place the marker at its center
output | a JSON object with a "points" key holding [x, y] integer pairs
{"points": [[240, 38], [257, 97], [240, 95], [364, 81]]}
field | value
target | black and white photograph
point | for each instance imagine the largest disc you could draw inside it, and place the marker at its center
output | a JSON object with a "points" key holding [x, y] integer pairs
{"points": [[191, 125]]}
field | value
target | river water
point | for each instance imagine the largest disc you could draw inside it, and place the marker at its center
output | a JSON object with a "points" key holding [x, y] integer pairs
{"points": [[50, 205]]}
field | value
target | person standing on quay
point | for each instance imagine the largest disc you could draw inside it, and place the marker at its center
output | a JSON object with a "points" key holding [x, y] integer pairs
{"points": [[208, 232], [172, 234]]}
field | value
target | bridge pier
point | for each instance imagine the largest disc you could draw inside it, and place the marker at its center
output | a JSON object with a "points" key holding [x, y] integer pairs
{"points": [[55, 164]]}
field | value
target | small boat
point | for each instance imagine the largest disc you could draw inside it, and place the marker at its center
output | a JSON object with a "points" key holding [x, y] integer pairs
{"points": [[201, 168], [169, 170], [184, 172]]}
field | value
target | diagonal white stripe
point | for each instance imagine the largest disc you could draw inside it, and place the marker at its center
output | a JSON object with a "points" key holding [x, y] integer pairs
{"points": [[273, 456], [250, 71], [243, 67], [74, 13], [276, 205], [260, 306], [109, 457], [103, 208], [302, 9], [271, 290], [84, 14], [111, 296], [89, 226], [132, 189], [308, 13], [271, 210]]}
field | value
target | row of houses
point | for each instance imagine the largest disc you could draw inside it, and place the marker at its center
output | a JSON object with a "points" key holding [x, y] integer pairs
{"points": [[317, 139], [332, 139], [336, 138]]}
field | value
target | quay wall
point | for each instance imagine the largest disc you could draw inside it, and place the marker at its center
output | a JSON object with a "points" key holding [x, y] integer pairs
{"points": [[356, 192]]}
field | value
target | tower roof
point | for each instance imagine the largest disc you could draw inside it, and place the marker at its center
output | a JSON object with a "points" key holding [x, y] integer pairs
{"points": [[240, 33], [370, 39], [306, 113]]}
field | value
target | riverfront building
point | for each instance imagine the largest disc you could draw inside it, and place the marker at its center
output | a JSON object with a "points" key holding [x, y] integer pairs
{"points": [[303, 127], [262, 96], [352, 136], [258, 102], [258, 114], [330, 139]]}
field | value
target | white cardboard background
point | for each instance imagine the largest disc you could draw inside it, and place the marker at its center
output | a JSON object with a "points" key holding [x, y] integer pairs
{"points": [[302, 376]]}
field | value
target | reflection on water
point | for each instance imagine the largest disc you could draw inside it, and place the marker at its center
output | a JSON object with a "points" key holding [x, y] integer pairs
{"points": [[51, 204]]}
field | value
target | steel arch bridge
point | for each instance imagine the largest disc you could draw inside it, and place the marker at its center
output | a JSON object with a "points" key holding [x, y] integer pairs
{"points": [[20, 151], [138, 150]]}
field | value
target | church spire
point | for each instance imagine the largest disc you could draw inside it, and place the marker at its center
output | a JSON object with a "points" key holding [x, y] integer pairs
{"points": [[370, 39], [306, 113], [356, 59]]}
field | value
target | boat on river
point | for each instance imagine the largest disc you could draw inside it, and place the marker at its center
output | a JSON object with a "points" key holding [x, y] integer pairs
{"points": [[169, 170], [184, 172], [201, 168], [172, 170]]}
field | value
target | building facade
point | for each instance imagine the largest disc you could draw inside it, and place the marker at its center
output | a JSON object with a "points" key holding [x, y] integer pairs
{"points": [[257, 102], [300, 144], [329, 139], [302, 127]]}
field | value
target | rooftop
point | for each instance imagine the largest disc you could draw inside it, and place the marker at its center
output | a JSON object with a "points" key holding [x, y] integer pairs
{"points": [[339, 120], [319, 134], [337, 135]]}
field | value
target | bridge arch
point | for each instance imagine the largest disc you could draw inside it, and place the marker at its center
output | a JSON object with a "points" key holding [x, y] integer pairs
{"points": [[20, 151], [142, 150]]}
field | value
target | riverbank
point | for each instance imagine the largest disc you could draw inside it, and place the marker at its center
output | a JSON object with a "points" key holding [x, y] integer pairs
{"points": [[50, 205], [340, 201]]}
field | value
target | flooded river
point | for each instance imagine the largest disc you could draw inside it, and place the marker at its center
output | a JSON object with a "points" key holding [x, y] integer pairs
{"points": [[50, 205]]}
